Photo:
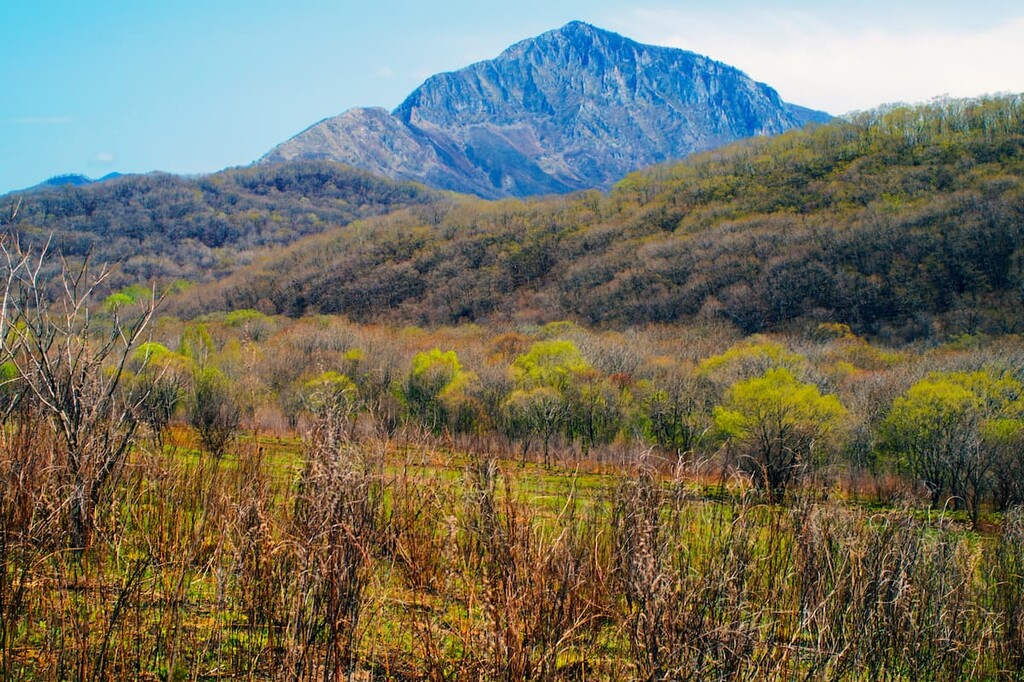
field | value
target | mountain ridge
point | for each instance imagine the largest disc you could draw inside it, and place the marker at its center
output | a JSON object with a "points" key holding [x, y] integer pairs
{"points": [[574, 108]]}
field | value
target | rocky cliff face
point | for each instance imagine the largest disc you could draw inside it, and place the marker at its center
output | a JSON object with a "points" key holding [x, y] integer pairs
{"points": [[574, 108]]}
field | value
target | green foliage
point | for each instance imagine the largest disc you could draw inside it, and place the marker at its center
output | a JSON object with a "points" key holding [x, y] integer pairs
{"points": [[332, 399], [776, 421], [436, 391], [946, 402], [354, 355], [557, 329], [753, 356], [776, 400], [160, 382], [213, 411], [859, 354], [127, 296], [196, 344], [152, 352], [254, 324], [548, 364], [950, 430], [595, 409], [238, 318], [330, 392], [535, 412], [673, 406], [9, 385], [441, 367]]}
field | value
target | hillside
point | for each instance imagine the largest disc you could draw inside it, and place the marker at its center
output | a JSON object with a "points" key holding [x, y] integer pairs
{"points": [[902, 223], [162, 226], [575, 108]]}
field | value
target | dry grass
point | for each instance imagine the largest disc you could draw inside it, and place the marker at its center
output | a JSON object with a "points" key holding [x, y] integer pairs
{"points": [[362, 566]]}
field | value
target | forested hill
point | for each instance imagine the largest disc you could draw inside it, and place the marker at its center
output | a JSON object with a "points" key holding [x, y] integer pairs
{"points": [[162, 226], [901, 222]]}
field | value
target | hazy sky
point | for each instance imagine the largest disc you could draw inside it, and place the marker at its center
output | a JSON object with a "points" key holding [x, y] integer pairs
{"points": [[197, 85]]}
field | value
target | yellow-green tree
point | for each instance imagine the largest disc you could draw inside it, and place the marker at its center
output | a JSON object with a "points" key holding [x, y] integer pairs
{"points": [[161, 378], [534, 413], [777, 422], [548, 363], [213, 411], [749, 358], [950, 429], [673, 406], [594, 409], [540, 406], [436, 393]]}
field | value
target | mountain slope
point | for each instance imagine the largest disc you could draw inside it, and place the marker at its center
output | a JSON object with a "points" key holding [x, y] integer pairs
{"points": [[161, 226], [901, 223], [571, 109]]}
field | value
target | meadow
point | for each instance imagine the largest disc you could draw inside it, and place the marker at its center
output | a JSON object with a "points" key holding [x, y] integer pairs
{"points": [[397, 559], [250, 497]]}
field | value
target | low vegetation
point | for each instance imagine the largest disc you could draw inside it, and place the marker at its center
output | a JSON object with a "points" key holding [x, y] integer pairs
{"points": [[399, 561], [261, 497]]}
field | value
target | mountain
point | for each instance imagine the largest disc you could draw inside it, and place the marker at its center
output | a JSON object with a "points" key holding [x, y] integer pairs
{"points": [[574, 108], [70, 180], [73, 179]]}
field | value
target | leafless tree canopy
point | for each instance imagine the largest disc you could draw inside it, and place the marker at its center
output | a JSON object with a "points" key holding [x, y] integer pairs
{"points": [[66, 361]]}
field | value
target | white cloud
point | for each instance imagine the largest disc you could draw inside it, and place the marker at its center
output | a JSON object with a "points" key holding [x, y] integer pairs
{"points": [[384, 72], [821, 64], [102, 159]]}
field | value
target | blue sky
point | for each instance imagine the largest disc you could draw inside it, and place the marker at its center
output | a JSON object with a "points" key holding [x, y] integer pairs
{"points": [[195, 86]]}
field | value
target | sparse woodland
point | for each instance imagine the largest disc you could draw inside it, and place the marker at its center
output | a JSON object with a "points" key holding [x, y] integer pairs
{"points": [[816, 476]]}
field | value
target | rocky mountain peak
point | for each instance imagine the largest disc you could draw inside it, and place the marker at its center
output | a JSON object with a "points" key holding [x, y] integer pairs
{"points": [[573, 108]]}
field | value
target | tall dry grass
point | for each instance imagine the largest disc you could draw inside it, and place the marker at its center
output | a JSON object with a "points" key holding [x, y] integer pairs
{"points": [[364, 561]]}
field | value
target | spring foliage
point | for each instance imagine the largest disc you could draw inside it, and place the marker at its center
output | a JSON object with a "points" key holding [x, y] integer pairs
{"points": [[777, 421]]}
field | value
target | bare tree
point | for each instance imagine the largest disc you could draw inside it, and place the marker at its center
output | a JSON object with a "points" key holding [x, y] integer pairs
{"points": [[70, 363]]}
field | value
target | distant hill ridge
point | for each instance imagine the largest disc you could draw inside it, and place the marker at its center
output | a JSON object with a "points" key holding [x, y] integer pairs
{"points": [[74, 179], [574, 108], [164, 227]]}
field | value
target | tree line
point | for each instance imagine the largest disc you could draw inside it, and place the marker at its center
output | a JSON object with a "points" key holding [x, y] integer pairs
{"points": [[942, 425], [162, 227]]}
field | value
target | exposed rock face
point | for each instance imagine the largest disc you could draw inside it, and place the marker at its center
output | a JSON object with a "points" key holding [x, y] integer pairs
{"points": [[574, 108]]}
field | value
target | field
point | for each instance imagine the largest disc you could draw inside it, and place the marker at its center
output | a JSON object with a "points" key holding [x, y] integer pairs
{"points": [[397, 559]]}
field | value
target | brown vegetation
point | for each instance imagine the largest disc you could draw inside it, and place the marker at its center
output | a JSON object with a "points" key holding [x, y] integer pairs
{"points": [[902, 224], [323, 499]]}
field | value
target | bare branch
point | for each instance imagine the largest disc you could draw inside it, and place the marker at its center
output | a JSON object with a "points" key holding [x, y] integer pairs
{"points": [[70, 372]]}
